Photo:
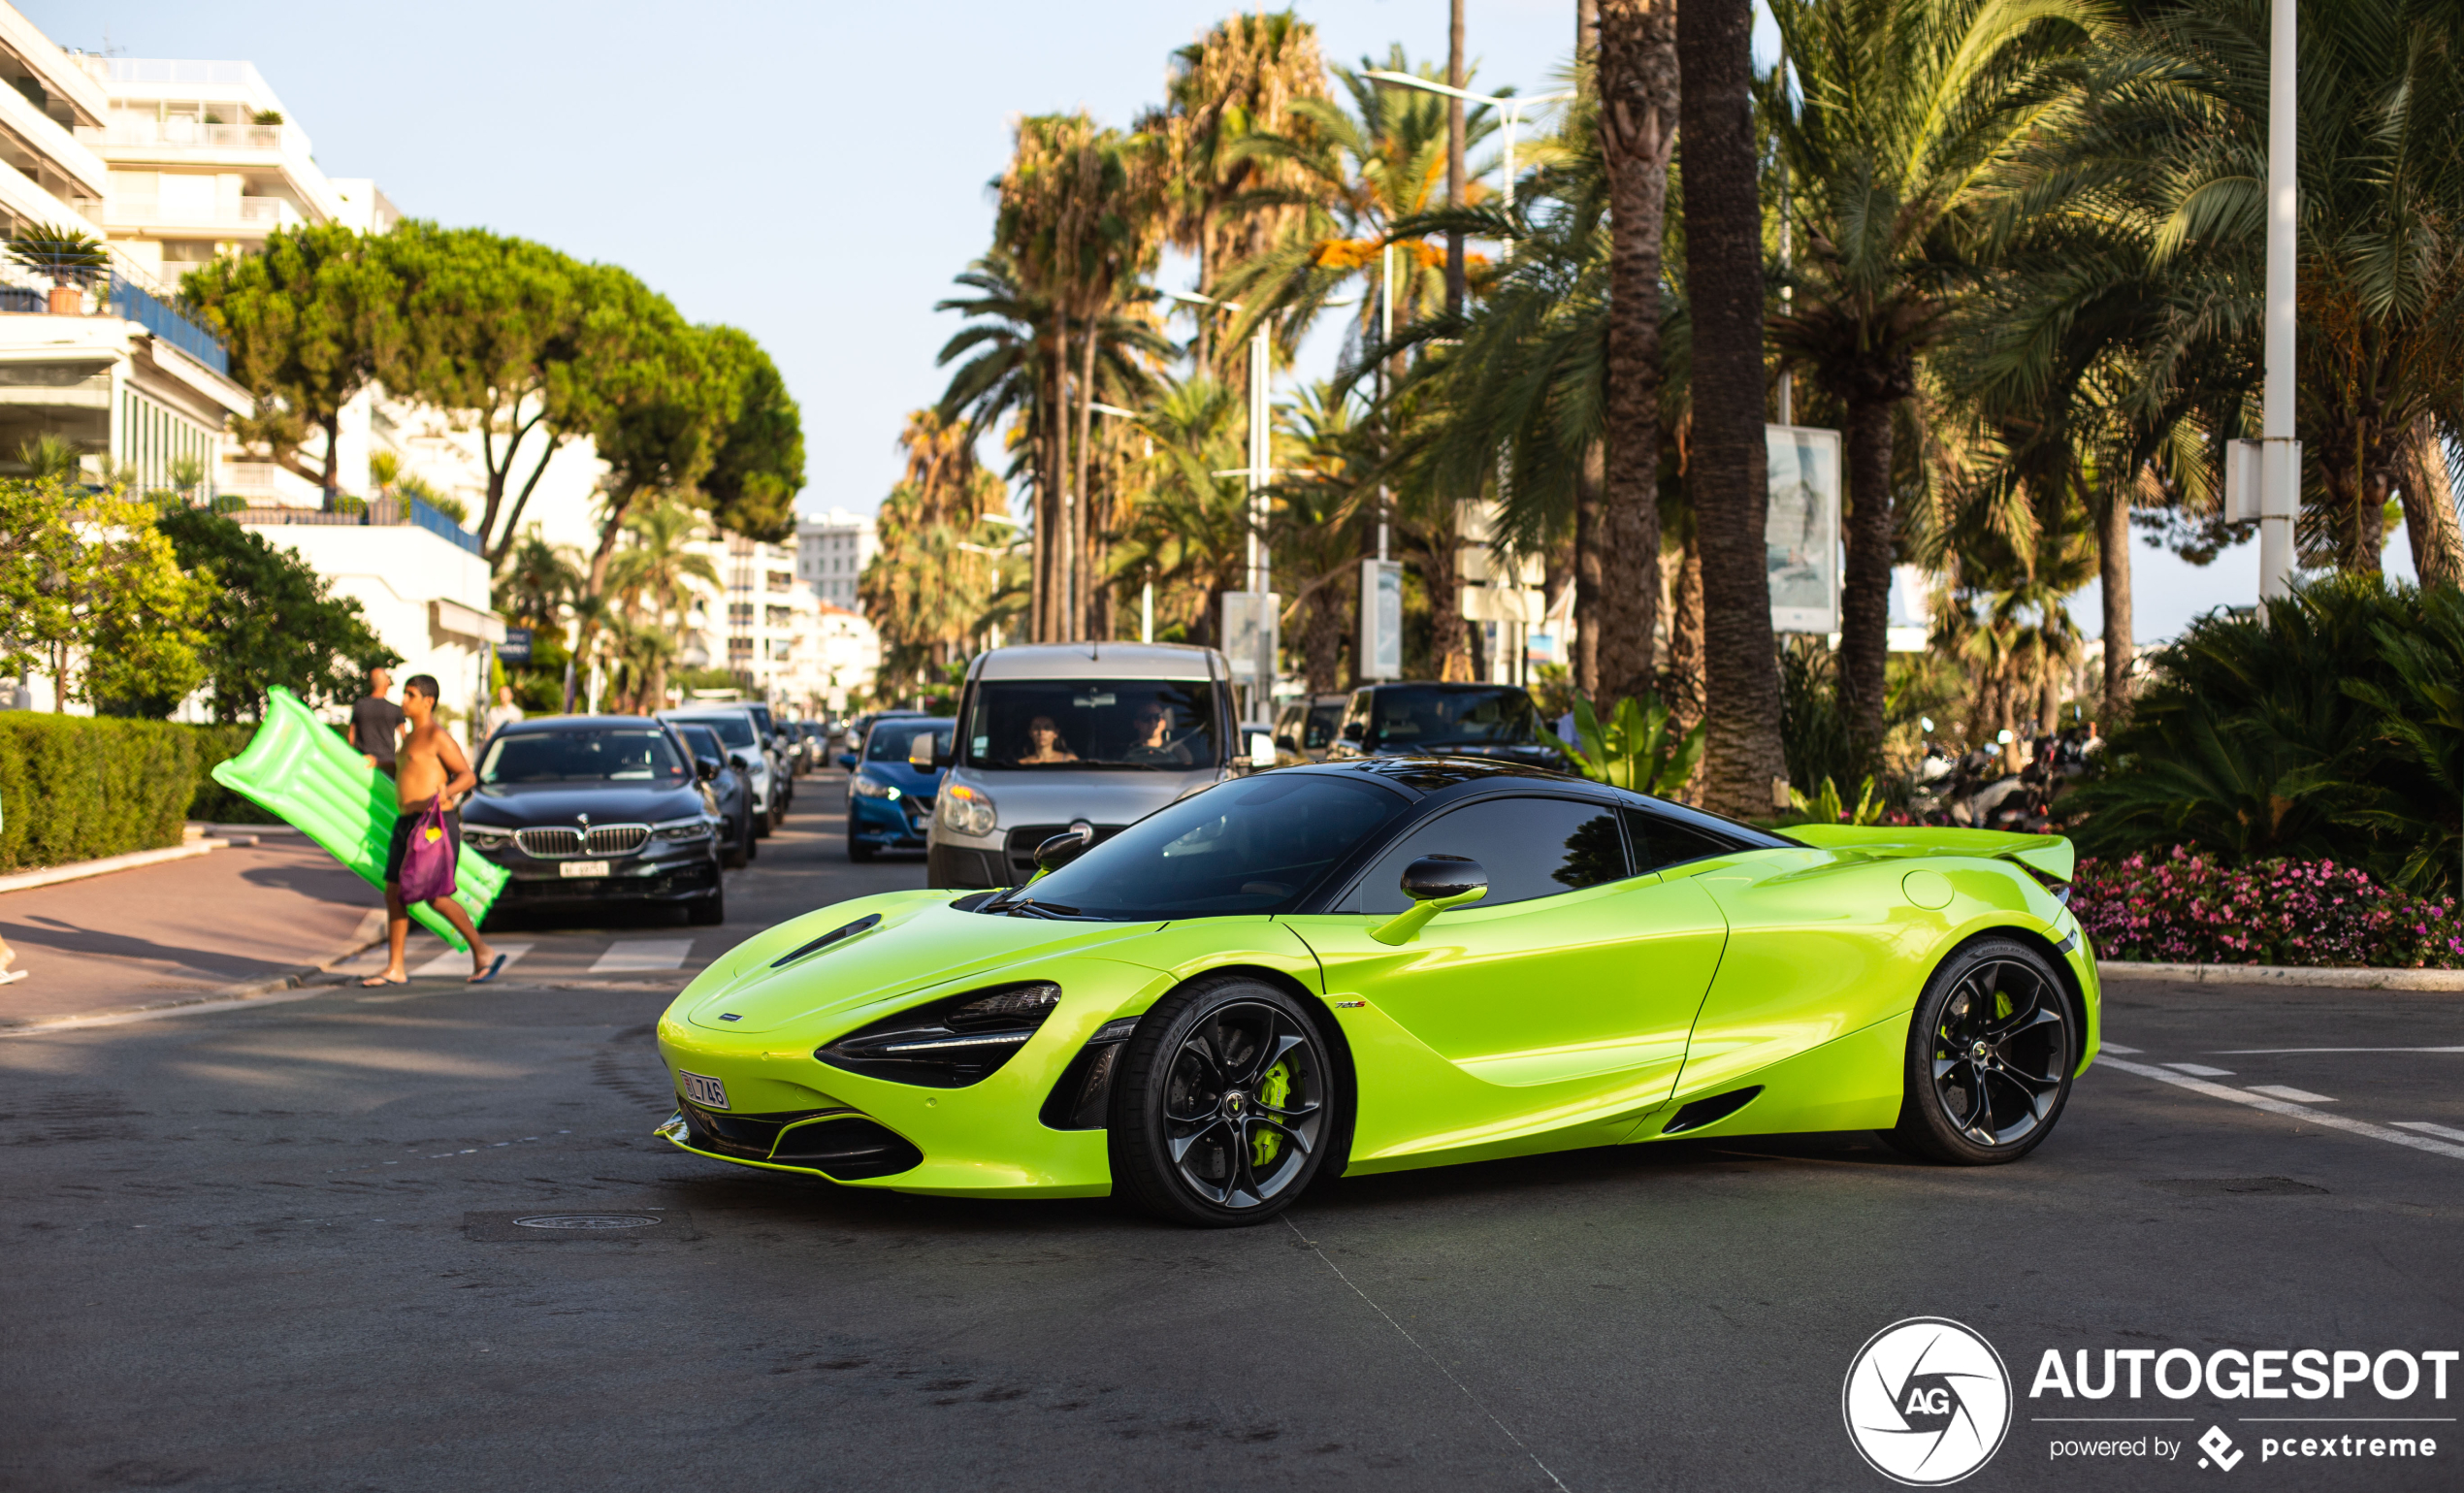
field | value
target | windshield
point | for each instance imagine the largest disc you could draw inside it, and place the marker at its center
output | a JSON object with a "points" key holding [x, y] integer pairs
{"points": [[642, 755], [736, 730], [1254, 845], [891, 740], [1426, 718], [703, 741], [1159, 724]]}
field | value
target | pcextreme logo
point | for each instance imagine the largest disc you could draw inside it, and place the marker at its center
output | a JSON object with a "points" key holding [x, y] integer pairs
{"points": [[1927, 1401]]}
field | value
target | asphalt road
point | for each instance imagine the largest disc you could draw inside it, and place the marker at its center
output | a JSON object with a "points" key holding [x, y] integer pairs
{"points": [[272, 1249]]}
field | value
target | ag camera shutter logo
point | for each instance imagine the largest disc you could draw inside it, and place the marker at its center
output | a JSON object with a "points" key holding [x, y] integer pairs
{"points": [[1927, 1401]]}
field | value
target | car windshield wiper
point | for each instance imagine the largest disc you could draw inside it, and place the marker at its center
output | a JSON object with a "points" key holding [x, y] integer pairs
{"points": [[1028, 907]]}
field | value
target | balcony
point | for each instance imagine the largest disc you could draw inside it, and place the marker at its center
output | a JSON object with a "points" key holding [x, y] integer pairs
{"points": [[263, 215], [183, 137], [103, 283], [407, 512]]}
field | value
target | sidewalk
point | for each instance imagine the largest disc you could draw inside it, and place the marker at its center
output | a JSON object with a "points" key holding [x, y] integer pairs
{"points": [[180, 931]]}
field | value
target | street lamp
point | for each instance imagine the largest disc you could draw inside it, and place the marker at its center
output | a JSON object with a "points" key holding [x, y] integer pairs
{"points": [[1260, 472], [2280, 474], [1512, 102]]}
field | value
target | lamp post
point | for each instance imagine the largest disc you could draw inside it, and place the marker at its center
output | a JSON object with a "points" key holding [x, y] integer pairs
{"points": [[1261, 472], [2279, 472], [1512, 104]]}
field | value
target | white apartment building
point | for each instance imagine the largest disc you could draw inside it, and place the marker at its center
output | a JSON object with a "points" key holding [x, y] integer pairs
{"points": [[93, 354], [831, 553], [763, 625], [850, 656]]}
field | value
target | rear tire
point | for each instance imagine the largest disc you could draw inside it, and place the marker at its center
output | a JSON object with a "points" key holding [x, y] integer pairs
{"points": [[1228, 1105], [1991, 1050], [858, 851], [739, 850], [761, 825]]}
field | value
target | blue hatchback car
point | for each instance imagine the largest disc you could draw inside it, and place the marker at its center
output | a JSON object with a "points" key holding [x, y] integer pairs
{"points": [[888, 802]]}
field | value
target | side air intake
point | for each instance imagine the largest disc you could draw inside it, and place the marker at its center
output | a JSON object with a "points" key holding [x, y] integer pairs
{"points": [[1703, 1112]]}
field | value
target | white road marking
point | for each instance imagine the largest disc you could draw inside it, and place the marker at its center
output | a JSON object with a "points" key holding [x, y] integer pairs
{"points": [[643, 955], [2199, 1070], [2400, 1137], [2289, 1091], [458, 962], [2427, 1128], [2256, 1052], [2116, 1047]]}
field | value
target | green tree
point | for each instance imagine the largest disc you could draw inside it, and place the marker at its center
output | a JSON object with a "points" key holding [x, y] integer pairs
{"points": [[492, 334], [657, 410], [757, 466], [91, 593], [268, 620], [648, 578], [1912, 116], [309, 321]]}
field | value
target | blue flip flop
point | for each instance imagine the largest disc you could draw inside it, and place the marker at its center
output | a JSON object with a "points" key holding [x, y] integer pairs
{"points": [[493, 971]]}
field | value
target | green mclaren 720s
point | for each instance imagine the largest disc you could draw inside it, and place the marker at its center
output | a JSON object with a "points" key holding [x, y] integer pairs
{"points": [[1373, 964]]}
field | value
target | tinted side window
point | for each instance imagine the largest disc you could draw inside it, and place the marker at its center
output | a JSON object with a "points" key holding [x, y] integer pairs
{"points": [[1530, 847], [1659, 841]]}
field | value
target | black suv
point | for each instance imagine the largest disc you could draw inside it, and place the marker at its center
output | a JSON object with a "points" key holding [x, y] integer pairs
{"points": [[1442, 719]]}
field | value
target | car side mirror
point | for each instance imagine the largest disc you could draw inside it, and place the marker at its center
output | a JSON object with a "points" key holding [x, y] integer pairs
{"points": [[740, 762], [1434, 883], [705, 767], [847, 759], [1286, 744], [1261, 748], [1063, 847], [1354, 731], [925, 753]]}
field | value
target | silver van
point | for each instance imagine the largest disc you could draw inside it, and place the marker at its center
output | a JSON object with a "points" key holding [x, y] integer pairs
{"points": [[1054, 735]]}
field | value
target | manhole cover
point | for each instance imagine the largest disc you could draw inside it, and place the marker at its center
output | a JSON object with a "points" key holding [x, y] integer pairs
{"points": [[586, 1221], [621, 1227]]}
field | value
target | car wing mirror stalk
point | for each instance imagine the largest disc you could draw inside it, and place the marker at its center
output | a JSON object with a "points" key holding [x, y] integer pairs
{"points": [[1434, 883]]}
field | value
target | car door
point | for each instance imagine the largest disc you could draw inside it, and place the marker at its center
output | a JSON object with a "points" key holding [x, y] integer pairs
{"points": [[1557, 1006]]}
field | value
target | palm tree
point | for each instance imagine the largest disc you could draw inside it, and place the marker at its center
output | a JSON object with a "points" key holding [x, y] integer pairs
{"points": [[1725, 461], [542, 581], [1911, 112], [1316, 523], [1191, 529], [1637, 83], [648, 579], [1247, 78]]}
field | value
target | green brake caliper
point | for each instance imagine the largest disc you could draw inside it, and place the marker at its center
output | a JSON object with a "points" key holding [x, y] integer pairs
{"points": [[1274, 1090]]}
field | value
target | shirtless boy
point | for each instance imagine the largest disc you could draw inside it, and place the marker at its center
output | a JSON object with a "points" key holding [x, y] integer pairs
{"points": [[430, 763]]}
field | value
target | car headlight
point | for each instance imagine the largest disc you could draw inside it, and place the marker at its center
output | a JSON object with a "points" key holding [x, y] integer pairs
{"points": [[486, 836], [697, 828], [866, 788], [967, 811]]}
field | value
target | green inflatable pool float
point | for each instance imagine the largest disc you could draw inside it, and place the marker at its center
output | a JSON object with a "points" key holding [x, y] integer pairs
{"points": [[298, 768]]}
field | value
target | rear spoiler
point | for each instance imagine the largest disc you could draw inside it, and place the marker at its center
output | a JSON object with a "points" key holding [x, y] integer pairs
{"points": [[2049, 855]]}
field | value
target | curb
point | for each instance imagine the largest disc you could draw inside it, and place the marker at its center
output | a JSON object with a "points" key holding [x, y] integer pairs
{"points": [[78, 870], [2334, 977], [370, 933]]}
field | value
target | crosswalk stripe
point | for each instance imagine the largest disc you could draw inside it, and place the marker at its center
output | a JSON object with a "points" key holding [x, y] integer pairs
{"points": [[643, 955], [2427, 1128], [457, 963]]}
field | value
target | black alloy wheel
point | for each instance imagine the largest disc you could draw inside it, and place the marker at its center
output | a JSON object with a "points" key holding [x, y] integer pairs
{"points": [[1990, 1056], [1227, 1104]]}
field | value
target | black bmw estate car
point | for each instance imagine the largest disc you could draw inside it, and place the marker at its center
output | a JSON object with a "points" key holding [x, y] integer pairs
{"points": [[598, 809]]}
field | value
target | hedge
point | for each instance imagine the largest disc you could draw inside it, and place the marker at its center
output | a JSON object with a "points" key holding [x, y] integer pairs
{"points": [[2192, 908], [75, 787]]}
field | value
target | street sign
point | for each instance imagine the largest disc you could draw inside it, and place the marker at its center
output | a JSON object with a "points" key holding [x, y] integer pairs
{"points": [[1380, 618], [1801, 533], [1249, 636], [516, 647]]}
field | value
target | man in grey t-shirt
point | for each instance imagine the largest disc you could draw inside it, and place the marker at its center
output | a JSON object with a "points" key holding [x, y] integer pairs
{"points": [[376, 723]]}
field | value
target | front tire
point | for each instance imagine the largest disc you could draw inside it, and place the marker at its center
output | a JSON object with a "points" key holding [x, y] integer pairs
{"points": [[1228, 1105], [1991, 1052], [707, 912]]}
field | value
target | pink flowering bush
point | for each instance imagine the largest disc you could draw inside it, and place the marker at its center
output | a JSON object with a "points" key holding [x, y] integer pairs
{"points": [[2190, 908]]}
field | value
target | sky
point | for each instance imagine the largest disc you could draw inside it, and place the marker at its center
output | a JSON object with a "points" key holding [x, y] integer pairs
{"points": [[813, 172]]}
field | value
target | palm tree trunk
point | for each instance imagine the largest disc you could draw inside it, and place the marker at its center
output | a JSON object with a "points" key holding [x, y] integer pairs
{"points": [[1638, 126], [1081, 531], [1727, 465], [1685, 691], [1587, 571], [1322, 636], [2429, 508], [1865, 593], [2113, 568], [1444, 581]]}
